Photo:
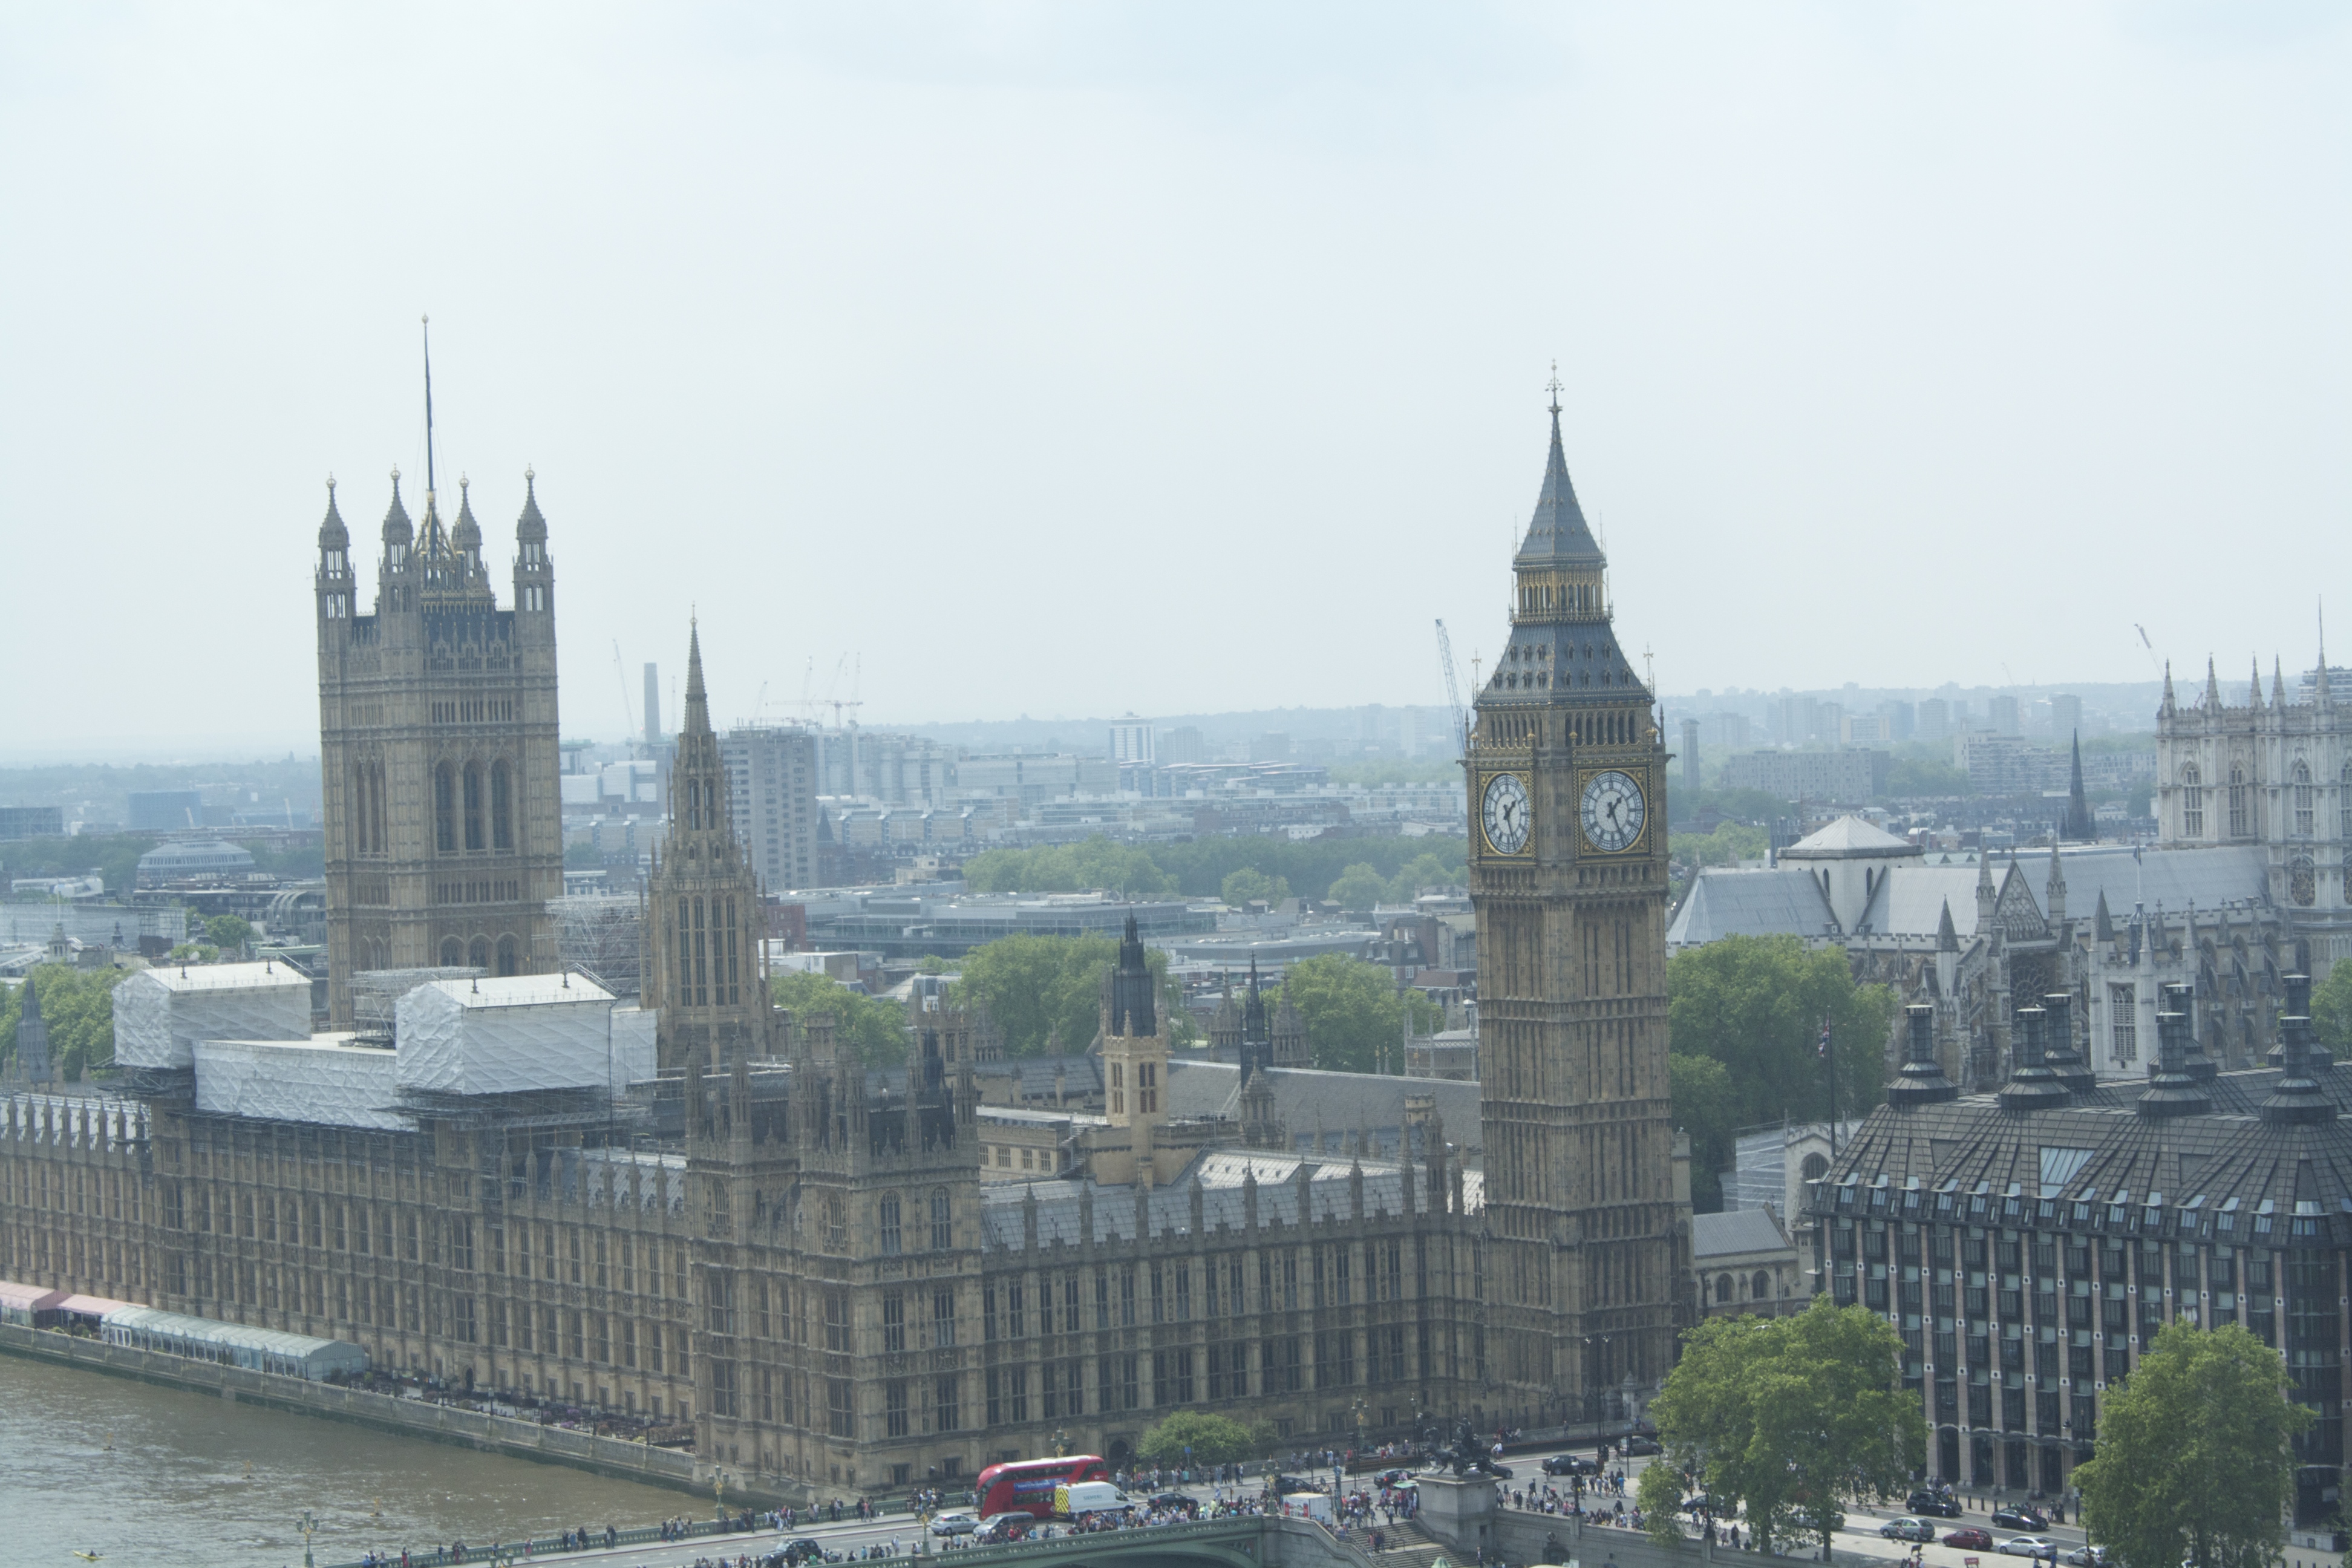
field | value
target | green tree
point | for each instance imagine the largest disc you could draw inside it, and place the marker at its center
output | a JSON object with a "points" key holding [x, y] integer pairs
{"points": [[1699, 1089], [1352, 1011], [1659, 1495], [580, 855], [1198, 1437], [1727, 845], [874, 1029], [2331, 1009], [2195, 1455], [1037, 985], [1755, 1004], [1910, 777], [1357, 889], [1248, 884], [78, 1006], [228, 931], [1426, 870], [1201, 867], [1094, 863], [1793, 1416]]}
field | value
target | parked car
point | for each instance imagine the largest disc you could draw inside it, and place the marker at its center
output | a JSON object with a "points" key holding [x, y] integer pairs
{"points": [[1176, 1502], [1638, 1444], [1285, 1485], [1918, 1529], [2017, 1516], [1934, 1505], [1000, 1528], [1496, 1468], [1970, 1540], [2086, 1557], [954, 1522], [2029, 1546], [1570, 1465], [1390, 1478]]}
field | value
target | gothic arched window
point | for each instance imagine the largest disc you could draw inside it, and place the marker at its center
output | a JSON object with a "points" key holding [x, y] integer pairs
{"points": [[1723, 1288], [509, 956], [942, 1227], [2305, 801], [694, 803], [701, 960], [2192, 803], [1761, 1286], [444, 809], [731, 979], [473, 839], [892, 1241], [2241, 802], [479, 955], [501, 805], [453, 952], [2344, 804]]}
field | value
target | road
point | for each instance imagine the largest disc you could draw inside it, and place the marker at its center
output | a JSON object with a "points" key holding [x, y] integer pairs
{"points": [[1858, 1542]]}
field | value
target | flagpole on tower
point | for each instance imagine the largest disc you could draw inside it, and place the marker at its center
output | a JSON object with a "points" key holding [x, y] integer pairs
{"points": [[1829, 1060]]}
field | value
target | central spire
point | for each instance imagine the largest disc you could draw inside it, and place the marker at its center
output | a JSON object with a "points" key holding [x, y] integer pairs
{"points": [[1558, 533], [698, 701]]}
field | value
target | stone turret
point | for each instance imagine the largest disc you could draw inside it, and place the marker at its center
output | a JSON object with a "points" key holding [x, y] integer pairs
{"points": [[2171, 1092], [2298, 1096], [2031, 1085]]}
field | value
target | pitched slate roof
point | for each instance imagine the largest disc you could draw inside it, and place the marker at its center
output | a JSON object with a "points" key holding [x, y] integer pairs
{"points": [[1750, 903]]}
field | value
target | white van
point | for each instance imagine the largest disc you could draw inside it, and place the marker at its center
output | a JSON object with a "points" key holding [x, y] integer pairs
{"points": [[1081, 1497], [1308, 1505]]}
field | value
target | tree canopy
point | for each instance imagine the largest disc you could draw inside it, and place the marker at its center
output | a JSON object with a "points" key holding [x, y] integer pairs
{"points": [[1203, 1437], [874, 1029], [1036, 985], [1095, 862], [1201, 868], [1754, 1005], [1793, 1416], [1361, 886], [78, 1006], [2196, 1455], [1352, 1011], [2331, 1009]]}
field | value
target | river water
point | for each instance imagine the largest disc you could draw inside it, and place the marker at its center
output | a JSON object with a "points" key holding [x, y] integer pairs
{"points": [[149, 1476]]}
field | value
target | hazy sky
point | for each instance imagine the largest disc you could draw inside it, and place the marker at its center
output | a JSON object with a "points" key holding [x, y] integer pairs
{"points": [[1067, 359]]}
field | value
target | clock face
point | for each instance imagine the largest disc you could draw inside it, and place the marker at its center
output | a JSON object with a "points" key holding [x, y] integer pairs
{"points": [[1504, 814], [1614, 811]]}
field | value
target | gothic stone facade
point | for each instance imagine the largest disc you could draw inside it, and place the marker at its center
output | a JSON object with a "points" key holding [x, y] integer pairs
{"points": [[1568, 881], [437, 748]]}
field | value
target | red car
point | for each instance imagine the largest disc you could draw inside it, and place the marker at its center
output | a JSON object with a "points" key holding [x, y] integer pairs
{"points": [[1972, 1540]]}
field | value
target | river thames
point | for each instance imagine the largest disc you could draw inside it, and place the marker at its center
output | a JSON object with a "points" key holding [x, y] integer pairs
{"points": [[152, 1476]]}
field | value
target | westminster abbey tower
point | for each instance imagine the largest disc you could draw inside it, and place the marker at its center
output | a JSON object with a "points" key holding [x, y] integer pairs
{"points": [[1587, 1239]]}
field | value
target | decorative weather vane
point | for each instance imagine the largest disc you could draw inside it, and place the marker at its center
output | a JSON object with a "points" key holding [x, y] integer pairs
{"points": [[1553, 387]]}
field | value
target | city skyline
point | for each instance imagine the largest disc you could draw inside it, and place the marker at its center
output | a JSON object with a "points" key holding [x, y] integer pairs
{"points": [[1884, 327]]}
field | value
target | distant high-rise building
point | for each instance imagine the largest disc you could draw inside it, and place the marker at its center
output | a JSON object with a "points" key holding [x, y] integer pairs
{"points": [[162, 810], [652, 705], [1896, 720], [1130, 741], [1828, 724], [2065, 717], [772, 772], [1690, 755], [1182, 744], [1935, 720], [1409, 730], [2001, 715]]}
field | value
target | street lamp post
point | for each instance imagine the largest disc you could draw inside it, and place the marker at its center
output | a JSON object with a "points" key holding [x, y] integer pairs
{"points": [[307, 1525]]}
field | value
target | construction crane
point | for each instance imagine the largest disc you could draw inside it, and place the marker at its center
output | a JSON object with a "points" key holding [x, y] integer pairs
{"points": [[853, 665], [1452, 688], [621, 674]]}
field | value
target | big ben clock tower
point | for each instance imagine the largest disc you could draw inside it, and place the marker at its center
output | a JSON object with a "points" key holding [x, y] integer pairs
{"points": [[1586, 1241]]}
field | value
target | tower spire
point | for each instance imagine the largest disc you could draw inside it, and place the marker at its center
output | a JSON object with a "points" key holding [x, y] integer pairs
{"points": [[428, 408], [698, 701]]}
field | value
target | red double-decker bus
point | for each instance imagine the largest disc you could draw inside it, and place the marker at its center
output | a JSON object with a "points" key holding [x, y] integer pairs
{"points": [[1026, 1486]]}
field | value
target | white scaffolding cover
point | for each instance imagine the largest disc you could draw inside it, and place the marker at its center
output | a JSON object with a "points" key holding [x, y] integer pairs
{"points": [[161, 1013], [325, 1080], [506, 1036], [634, 1055]]}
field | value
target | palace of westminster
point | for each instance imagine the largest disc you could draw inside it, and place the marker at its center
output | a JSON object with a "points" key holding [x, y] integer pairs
{"points": [[693, 1207]]}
